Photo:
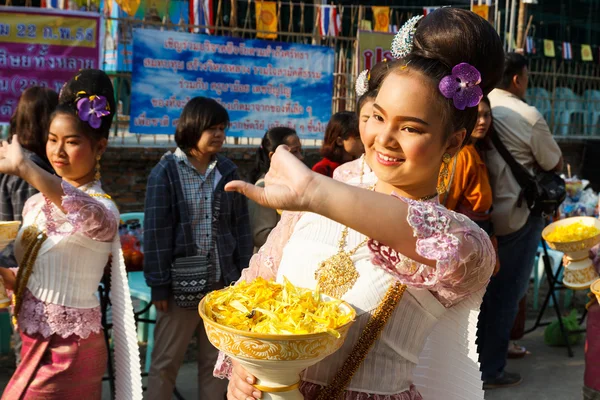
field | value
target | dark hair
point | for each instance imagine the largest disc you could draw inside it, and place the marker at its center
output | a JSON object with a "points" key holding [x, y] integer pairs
{"points": [[343, 125], [88, 82], [445, 38], [376, 76], [273, 138], [31, 119], [514, 63], [198, 115]]}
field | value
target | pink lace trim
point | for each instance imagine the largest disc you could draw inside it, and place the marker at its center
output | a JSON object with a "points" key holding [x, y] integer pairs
{"points": [[223, 367], [52, 319], [311, 391], [463, 252], [84, 215]]}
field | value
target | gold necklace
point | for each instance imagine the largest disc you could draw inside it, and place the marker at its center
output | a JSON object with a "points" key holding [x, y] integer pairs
{"points": [[338, 274]]}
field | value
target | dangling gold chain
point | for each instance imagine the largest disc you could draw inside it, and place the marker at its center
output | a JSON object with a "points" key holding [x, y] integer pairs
{"points": [[25, 271], [367, 339]]}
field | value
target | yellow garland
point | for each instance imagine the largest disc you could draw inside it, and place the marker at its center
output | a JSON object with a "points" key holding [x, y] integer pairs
{"points": [[572, 233], [268, 307], [25, 271], [367, 339]]}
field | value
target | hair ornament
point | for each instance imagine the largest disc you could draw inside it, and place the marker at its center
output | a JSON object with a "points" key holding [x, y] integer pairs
{"points": [[402, 44], [362, 83], [462, 86], [92, 108]]}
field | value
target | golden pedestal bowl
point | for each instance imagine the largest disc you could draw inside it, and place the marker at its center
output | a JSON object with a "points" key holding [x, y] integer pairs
{"points": [[595, 288], [275, 360], [579, 272], [8, 232]]}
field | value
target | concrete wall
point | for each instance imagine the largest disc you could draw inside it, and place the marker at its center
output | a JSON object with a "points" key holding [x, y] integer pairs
{"points": [[126, 169]]}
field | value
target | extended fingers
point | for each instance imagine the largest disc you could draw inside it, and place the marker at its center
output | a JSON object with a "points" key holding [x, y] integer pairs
{"points": [[253, 192], [242, 390]]}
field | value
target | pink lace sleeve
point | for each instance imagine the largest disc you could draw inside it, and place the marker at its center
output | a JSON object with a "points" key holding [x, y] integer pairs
{"points": [[265, 263], [95, 218], [464, 254]]}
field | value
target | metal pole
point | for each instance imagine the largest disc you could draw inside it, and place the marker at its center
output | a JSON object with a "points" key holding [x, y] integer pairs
{"points": [[506, 18], [511, 29], [521, 25]]}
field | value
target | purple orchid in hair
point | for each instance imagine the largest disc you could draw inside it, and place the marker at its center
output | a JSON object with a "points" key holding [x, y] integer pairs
{"points": [[462, 86], [92, 109]]}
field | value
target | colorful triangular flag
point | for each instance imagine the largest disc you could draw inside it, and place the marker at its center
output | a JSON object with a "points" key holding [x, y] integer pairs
{"points": [[130, 7], [201, 13], [482, 10], [366, 25], [266, 19], [330, 23], [381, 15], [56, 4], [530, 45], [549, 48], [566, 51], [429, 10], [586, 52]]}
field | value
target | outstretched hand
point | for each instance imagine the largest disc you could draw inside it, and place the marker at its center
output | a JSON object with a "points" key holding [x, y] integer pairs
{"points": [[12, 157], [289, 184]]}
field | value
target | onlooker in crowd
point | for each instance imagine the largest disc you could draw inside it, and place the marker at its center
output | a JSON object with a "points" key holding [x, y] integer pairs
{"points": [[525, 134], [341, 143], [196, 239], [263, 219], [30, 121], [467, 189]]}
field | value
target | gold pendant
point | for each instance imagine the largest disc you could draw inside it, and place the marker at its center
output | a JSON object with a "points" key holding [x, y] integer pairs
{"points": [[336, 275]]}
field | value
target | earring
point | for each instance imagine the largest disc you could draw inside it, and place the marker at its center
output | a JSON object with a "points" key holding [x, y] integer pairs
{"points": [[97, 175], [444, 173]]}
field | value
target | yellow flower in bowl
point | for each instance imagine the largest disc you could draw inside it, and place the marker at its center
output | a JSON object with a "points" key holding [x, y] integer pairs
{"points": [[275, 330]]}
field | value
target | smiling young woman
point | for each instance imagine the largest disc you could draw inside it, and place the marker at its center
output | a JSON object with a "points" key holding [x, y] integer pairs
{"points": [[69, 234], [396, 235]]}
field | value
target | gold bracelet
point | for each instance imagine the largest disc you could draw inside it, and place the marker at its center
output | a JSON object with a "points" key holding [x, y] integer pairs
{"points": [[279, 389]]}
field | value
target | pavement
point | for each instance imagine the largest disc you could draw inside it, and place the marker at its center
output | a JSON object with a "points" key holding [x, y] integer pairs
{"points": [[548, 373]]}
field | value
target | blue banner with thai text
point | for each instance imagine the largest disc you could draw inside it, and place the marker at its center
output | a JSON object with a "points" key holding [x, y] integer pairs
{"points": [[261, 83]]}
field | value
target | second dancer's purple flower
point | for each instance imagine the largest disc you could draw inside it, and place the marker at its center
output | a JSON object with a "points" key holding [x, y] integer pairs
{"points": [[462, 86]]}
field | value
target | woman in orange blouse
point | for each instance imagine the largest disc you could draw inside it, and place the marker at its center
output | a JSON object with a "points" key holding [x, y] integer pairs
{"points": [[468, 189]]}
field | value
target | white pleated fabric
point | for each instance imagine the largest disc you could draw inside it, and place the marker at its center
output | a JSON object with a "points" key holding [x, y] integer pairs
{"points": [[128, 373], [448, 366], [389, 365]]}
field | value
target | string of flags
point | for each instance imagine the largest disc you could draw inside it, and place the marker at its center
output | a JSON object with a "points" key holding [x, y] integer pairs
{"points": [[329, 21], [567, 50]]}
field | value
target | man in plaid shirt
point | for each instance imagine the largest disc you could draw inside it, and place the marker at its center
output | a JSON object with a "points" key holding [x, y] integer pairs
{"points": [[197, 238]]}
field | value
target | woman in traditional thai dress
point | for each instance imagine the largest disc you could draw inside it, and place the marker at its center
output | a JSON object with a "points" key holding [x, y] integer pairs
{"points": [[68, 235], [414, 271]]}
